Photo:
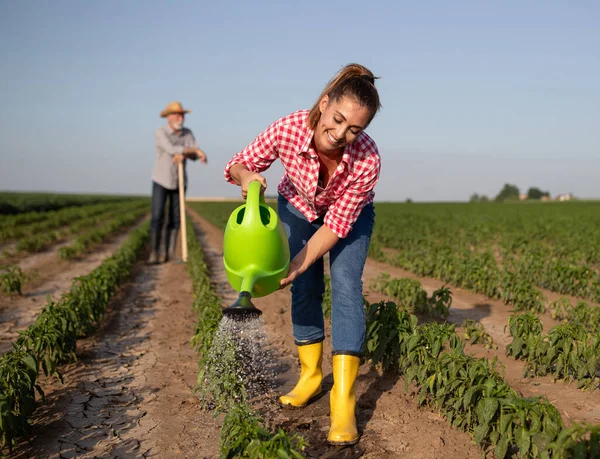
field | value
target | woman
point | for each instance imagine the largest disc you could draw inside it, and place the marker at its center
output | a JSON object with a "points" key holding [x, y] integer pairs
{"points": [[325, 203]]}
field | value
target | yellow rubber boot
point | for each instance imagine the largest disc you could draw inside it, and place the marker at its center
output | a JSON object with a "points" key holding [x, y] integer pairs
{"points": [[311, 376], [343, 400]]}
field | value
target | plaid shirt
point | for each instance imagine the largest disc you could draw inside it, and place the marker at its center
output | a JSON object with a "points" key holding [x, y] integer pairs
{"points": [[349, 189]]}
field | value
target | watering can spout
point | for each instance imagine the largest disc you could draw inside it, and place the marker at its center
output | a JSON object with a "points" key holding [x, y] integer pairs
{"points": [[243, 308], [256, 253]]}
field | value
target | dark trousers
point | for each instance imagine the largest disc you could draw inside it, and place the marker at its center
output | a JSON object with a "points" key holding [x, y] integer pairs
{"points": [[160, 196]]}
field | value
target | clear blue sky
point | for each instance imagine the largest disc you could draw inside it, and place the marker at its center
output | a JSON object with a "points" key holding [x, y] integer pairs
{"points": [[475, 94]]}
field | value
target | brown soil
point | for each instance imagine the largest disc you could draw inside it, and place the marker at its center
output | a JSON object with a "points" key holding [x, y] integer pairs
{"points": [[130, 394]]}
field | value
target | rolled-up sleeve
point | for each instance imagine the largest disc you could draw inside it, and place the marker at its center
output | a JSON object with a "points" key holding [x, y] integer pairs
{"points": [[164, 145], [259, 155], [344, 212]]}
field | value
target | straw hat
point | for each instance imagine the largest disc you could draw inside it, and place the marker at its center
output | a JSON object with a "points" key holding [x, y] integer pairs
{"points": [[173, 107]]}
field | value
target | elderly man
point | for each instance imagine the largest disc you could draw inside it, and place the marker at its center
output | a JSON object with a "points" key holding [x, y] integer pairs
{"points": [[174, 144]]}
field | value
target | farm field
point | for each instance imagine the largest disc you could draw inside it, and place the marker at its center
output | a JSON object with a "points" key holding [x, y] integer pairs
{"points": [[483, 338]]}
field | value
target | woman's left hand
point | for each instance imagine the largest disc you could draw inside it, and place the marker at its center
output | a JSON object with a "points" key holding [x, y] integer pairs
{"points": [[296, 269]]}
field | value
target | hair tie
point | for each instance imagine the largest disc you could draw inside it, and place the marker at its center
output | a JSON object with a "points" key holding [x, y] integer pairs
{"points": [[369, 78]]}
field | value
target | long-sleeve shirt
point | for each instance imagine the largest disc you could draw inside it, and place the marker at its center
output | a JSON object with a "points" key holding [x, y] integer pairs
{"points": [[347, 192], [170, 143]]}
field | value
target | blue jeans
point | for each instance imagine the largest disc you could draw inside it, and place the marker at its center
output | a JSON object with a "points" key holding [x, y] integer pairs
{"points": [[347, 260]]}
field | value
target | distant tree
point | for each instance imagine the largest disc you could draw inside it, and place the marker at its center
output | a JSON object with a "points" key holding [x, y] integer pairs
{"points": [[478, 198], [536, 193], [409, 201], [508, 193]]}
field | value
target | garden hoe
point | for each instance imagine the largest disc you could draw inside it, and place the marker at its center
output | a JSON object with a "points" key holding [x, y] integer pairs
{"points": [[182, 223], [256, 253]]}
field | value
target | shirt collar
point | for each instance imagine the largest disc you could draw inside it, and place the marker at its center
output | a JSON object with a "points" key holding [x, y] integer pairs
{"points": [[305, 145]]}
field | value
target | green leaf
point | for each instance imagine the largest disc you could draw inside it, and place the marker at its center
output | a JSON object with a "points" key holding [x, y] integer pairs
{"points": [[490, 406], [523, 440], [505, 422], [501, 448], [481, 432], [31, 363]]}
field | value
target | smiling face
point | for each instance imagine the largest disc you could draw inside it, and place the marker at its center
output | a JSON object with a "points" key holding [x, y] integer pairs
{"points": [[340, 124]]}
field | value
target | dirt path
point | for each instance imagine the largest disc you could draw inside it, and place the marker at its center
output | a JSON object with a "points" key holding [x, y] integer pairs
{"points": [[130, 394], [390, 420], [52, 276], [574, 405]]}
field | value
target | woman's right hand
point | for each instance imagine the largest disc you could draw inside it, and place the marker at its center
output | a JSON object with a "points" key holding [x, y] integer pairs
{"points": [[248, 177]]}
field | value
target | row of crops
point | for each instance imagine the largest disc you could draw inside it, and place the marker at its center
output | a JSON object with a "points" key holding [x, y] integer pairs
{"points": [[244, 432], [54, 226], [26, 205], [570, 351], [505, 251], [470, 392], [51, 340]]}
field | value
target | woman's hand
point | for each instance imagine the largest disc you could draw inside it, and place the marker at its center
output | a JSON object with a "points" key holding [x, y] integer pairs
{"points": [[242, 176], [248, 177], [318, 245], [295, 270]]}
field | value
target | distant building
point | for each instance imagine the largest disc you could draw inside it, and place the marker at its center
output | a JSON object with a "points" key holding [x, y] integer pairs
{"points": [[523, 197], [564, 197]]}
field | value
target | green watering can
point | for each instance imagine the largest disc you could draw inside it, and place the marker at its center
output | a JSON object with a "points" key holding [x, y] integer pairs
{"points": [[256, 253]]}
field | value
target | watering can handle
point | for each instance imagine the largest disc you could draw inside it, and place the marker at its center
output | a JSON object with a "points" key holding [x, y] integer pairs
{"points": [[254, 199]]}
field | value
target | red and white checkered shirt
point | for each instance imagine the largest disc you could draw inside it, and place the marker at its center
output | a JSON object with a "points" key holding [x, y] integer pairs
{"points": [[349, 189]]}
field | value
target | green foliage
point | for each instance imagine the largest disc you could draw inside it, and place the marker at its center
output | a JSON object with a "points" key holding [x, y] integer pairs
{"points": [[11, 280], [508, 193], [580, 441], [87, 240], [478, 198], [409, 294], [244, 435], [581, 314], [475, 333], [16, 203], [218, 213], [520, 293], [567, 353], [61, 224], [206, 302], [438, 305], [387, 326], [536, 193]]}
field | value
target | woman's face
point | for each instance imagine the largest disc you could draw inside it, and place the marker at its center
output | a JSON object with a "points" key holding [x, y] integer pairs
{"points": [[340, 124]]}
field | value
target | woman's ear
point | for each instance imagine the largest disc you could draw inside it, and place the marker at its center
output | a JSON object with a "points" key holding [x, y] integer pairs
{"points": [[323, 104]]}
